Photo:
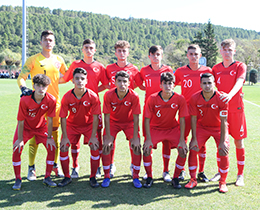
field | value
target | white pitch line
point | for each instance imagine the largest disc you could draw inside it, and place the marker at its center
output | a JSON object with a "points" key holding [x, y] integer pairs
{"points": [[252, 103]]}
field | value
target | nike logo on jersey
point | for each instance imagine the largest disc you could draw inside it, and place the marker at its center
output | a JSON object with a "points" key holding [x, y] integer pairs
{"points": [[30, 110], [147, 75], [219, 73], [199, 105], [72, 104], [42, 65], [113, 103], [186, 75], [157, 106], [113, 72]]}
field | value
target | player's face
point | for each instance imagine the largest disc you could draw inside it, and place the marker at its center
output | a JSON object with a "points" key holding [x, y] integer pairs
{"points": [[228, 52], [122, 53], [194, 56], [122, 83], [89, 50], [167, 87], [156, 58], [207, 84], [80, 80], [40, 89], [48, 42]]}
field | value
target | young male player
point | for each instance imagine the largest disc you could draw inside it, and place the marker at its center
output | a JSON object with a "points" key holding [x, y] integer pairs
{"points": [[189, 78], [96, 73], [51, 65], [84, 107], [122, 48], [208, 118], [230, 76], [31, 123], [161, 126], [150, 75], [121, 110]]}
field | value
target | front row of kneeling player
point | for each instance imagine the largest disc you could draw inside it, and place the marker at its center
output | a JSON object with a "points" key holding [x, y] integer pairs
{"points": [[121, 110]]}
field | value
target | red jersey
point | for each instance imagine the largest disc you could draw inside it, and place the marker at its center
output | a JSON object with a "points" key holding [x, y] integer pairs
{"points": [[112, 69], [163, 114], [189, 79], [96, 73], [208, 112], [225, 79], [121, 111], [81, 110], [33, 113], [151, 78]]}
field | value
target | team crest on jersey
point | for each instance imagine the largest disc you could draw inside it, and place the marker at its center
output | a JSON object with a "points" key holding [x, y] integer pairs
{"points": [[174, 106], [232, 73], [95, 69], [127, 103], [57, 65], [214, 106], [86, 103], [43, 106]]}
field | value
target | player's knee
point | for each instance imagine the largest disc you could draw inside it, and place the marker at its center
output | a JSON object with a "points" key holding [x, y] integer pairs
{"points": [[239, 143], [181, 152]]}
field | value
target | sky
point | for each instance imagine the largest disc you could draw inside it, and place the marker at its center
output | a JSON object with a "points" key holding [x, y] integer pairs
{"points": [[230, 13]]}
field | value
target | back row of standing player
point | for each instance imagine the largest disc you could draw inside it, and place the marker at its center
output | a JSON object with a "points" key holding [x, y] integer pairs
{"points": [[229, 76]]}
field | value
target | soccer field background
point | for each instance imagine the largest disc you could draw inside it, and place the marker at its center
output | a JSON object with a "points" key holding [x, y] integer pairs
{"points": [[121, 194]]}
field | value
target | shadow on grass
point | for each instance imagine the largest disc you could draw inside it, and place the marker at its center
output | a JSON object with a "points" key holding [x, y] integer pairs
{"points": [[121, 191]]}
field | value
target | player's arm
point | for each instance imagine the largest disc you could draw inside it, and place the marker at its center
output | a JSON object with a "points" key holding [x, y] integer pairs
{"points": [[65, 142], [23, 76], [147, 147], [103, 87], [135, 141], [62, 80], [223, 147], [108, 139], [226, 97], [142, 87], [50, 142], [194, 143], [18, 144], [182, 147], [93, 141]]}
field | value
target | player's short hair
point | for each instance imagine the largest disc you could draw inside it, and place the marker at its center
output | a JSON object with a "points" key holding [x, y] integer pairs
{"points": [[228, 42], [194, 47], [122, 44], [122, 74], [167, 77], [207, 75], [153, 49], [41, 79], [88, 41], [46, 33], [80, 71]]}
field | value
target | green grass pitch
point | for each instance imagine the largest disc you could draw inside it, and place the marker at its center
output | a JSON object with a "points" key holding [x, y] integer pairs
{"points": [[121, 194]]}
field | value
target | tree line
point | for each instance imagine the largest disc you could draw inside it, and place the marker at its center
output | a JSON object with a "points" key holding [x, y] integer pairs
{"points": [[72, 27]]}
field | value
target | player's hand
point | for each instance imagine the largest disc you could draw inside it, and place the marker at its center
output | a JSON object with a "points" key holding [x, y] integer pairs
{"points": [[194, 145], [182, 149], [225, 97], [147, 147], [108, 144], [50, 142], [136, 146], [223, 149], [18, 144], [64, 144], [26, 91], [93, 143]]}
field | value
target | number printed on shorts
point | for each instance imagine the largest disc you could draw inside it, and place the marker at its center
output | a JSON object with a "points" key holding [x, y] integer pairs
{"points": [[187, 83]]}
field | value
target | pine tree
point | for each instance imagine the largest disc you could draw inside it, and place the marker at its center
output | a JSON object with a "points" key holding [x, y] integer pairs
{"points": [[208, 44]]}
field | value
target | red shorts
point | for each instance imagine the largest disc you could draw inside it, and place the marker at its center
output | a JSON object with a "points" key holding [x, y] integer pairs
{"points": [[127, 128], [204, 133], [237, 125], [40, 135], [74, 133], [100, 125], [171, 135]]}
